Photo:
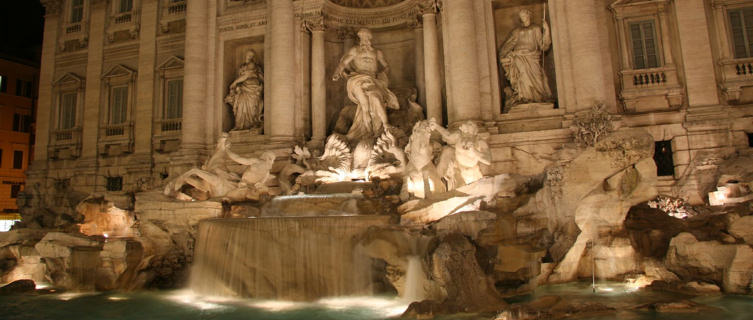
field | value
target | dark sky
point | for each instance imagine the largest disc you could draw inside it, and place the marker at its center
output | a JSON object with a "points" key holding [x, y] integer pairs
{"points": [[21, 26]]}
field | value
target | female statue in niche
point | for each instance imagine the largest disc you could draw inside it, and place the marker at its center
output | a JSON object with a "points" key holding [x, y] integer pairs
{"points": [[245, 94], [521, 56]]}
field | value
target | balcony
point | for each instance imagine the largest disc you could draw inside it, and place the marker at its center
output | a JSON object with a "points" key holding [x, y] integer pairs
{"points": [[116, 139], [655, 89], [123, 26], [65, 143], [737, 80], [172, 17], [75, 36], [167, 136], [170, 125]]}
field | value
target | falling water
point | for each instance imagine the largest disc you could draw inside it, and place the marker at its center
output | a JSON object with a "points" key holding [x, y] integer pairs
{"points": [[413, 279], [301, 258], [84, 263]]}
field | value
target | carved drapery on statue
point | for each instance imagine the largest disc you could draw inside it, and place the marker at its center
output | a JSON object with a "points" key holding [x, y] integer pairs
{"points": [[245, 94], [521, 57]]}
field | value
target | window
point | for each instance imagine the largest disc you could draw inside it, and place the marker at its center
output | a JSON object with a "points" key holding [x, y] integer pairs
{"points": [[14, 190], [125, 6], [741, 24], [750, 141], [114, 184], [67, 110], [28, 87], [665, 166], [3, 83], [19, 87], [21, 123], [18, 159], [643, 40], [1, 158], [77, 11], [118, 104], [174, 99]]}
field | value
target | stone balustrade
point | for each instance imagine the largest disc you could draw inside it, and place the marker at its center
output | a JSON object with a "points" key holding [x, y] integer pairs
{"points": [[737, 78]]}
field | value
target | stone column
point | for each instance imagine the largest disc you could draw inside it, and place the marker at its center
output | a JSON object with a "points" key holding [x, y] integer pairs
{"points": [[431, 61], [318, 81], [144, 105], [91, 120], [47, 71], [418, 34], [464, 71], [696, 53], [194, 79], [281, 35]]}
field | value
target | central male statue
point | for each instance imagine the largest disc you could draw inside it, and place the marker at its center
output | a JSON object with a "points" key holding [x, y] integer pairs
{"points": [[367, 88]]}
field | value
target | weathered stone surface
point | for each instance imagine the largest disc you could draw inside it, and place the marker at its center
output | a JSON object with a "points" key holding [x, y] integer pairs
{"points": [[743, 228], [60, 245], [19, 286], [469, 224], [731, 265], [457, 272]]}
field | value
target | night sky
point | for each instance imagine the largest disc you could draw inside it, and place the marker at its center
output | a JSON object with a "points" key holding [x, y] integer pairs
{"points": [[21, 27]]}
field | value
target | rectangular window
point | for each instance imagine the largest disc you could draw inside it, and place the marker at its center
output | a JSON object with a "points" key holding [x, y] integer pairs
{"points": [[67, 111], [16, 122], [14, 190], [19, 87], [28, 87], [174, 99], [77, 11], [25, 123], [1, 158], [665, 165], [749, 134], [114, 184], [741, 24], [118, 105], [125, 6], [3, 83], [21, 122], [18, 159], [645, 48]]}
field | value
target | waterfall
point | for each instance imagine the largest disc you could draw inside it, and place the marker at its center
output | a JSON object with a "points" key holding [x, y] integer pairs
{"points": [[83, 268], [293, 258], [414, 275]]}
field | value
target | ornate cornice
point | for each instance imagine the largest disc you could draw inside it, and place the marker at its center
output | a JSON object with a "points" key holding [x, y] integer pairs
{"points": [[52, 7], [395, 15], [314, 23], [428, 6]]}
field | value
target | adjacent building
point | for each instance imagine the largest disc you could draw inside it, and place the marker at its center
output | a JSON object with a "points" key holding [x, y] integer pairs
{"points": [[18, 97]]}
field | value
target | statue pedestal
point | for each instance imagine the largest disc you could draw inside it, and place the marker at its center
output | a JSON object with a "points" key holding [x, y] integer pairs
{"points": [[531, 108]]}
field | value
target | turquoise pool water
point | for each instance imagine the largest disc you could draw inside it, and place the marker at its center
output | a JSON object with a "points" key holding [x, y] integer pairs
{"points": [[183, 305]]}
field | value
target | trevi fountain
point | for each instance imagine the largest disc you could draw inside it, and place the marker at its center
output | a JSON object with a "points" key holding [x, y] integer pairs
{"points": [[344, 159]]}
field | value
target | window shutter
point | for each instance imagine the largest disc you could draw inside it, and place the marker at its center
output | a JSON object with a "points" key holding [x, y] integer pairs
{"points": [[649, 38], [635, 35], [174, 106], [119, 105], [68, 111], [738, 33]]}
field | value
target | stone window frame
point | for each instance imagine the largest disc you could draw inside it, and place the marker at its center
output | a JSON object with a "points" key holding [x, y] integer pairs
{"points": [[126, 21], [66, 138], [734, 73], [167, 132], [118, 76], [647, 89], [75, 31], [171, 11]]}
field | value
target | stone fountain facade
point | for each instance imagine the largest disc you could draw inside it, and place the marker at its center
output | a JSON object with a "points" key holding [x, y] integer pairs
{"points": [[574, 113]]}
